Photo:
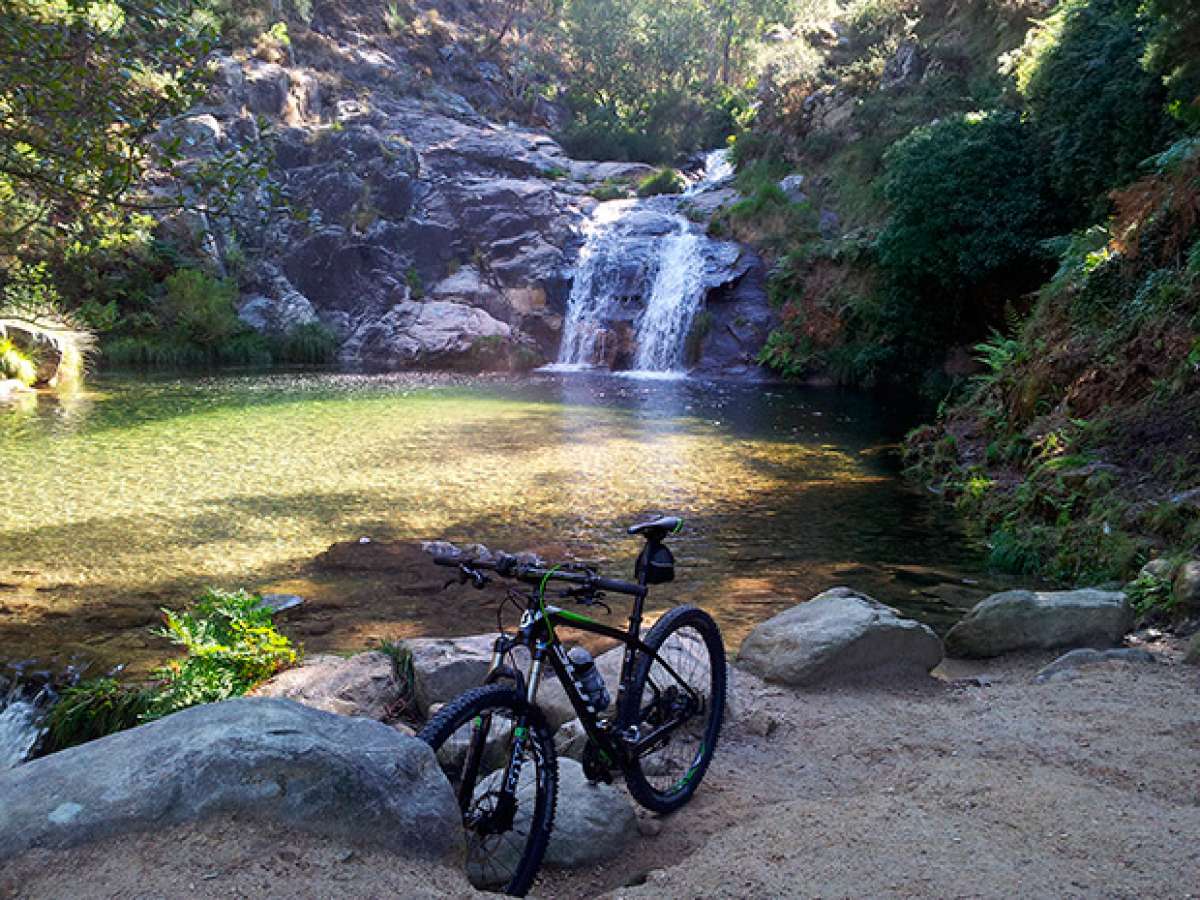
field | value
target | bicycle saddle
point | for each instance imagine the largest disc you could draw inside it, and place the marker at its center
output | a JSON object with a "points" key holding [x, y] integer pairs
{"points": [[657, 529]]}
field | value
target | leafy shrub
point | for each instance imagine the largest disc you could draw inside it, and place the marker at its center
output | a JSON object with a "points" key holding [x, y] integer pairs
{"points": [[413, 279], [1150, 594], [93, 709], [664, 181], [308, 344], [197, 308], [609, 190], [1095, 109], [968, 202], [232, 645], [1173, 51]]}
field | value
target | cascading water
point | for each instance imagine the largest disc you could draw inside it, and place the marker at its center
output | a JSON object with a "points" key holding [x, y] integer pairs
{"points": [[591, 294], [639, 280], [673, 304], [21, 714]]}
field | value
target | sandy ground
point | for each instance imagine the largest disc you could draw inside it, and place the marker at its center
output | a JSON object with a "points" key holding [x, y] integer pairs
{"points": [[994, 787], [1083, 788]]}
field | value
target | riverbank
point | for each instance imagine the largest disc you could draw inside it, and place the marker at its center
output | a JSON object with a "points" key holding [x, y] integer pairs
{"points": [[975, 783]]}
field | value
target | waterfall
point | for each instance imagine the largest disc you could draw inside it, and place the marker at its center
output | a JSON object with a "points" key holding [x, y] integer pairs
{"points": [[639, 281], [591, 294], [673, 304]]}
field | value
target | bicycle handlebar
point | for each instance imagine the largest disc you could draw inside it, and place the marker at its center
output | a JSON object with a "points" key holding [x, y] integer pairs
{"points": [[508, 566]]}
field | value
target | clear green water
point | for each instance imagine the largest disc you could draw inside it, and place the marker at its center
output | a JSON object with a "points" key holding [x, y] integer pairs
{"points": [[126, 497]]}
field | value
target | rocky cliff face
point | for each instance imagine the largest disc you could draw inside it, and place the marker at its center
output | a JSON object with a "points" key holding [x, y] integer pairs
{"points": [[422, 233]]}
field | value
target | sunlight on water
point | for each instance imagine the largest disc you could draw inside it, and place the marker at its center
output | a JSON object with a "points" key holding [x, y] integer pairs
{"points": [[128, 497]]}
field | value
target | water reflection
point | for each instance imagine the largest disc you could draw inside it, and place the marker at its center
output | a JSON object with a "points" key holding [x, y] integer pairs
{"points": [[134, 493]]}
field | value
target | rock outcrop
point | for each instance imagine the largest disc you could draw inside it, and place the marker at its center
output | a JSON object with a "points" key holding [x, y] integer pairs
{"points": [[1032, 620], [839, 635], [423, 234], [269, 759]]}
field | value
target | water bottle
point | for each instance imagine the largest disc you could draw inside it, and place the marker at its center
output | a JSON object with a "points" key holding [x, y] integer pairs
{"points": [[587, 678]]}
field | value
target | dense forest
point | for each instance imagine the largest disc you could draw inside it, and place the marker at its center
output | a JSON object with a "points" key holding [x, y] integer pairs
{"points": [[989, 203]]}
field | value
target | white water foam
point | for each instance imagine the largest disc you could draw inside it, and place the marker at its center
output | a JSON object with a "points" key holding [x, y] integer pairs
{"points": [[673, 304], [19, 731]]}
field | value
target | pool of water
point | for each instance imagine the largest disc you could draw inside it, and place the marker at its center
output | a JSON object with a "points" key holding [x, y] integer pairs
{"points": [[128, 496]]}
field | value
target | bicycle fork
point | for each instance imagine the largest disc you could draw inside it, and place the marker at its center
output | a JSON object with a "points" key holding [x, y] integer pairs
{"points": [[500, 818]]}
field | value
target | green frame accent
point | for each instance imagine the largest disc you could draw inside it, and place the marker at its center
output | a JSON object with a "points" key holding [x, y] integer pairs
{"points": [[575, 617]]}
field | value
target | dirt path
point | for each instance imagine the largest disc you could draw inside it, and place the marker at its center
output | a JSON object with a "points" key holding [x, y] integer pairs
{"points": [[1083, 788], [1088, 787]]}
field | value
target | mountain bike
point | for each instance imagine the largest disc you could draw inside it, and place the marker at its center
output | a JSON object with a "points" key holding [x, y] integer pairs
{"points": [[496, 746]]}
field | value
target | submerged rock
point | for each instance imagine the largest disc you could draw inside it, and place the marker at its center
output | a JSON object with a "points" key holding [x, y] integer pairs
{"points": [[255, 758], [1032, 620], [839, 635]]}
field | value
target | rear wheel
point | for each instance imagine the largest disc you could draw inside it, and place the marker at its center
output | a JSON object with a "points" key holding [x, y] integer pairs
{"points": [[473, 738], [685, 683]]}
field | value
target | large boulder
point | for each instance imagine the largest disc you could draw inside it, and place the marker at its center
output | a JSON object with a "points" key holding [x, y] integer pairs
{"points": [[839, 635], [360, 685], [1041, 620], [256, 758], [1068, 665]]}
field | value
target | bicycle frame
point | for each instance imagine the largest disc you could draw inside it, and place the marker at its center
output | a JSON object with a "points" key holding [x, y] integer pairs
{"points": [[618, 741]]}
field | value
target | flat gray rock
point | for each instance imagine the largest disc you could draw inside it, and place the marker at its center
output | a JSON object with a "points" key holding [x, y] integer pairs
{"points": [[1041, 620], [257, 758], [839, 635], [1069, 663]]}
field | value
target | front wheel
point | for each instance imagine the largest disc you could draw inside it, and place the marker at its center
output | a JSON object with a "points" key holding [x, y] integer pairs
{"points": [[474, 738], [683, 685]]}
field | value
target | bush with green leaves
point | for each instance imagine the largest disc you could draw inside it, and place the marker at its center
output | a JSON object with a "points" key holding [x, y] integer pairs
{"points": [[1150, 594], [232, 644], [664, 181], [198, 308], [1096, 111], [92, 709], [968, 203], [1173, 51]]}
